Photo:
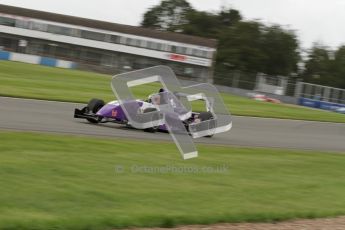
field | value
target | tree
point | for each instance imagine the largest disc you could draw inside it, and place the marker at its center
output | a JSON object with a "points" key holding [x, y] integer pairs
{"points": [[240, 47], [338, 67], [202, 24], [318, 65], [170, 15], [229, 17], [210, 25], [246, 46], [325, 66], [281, 50]]}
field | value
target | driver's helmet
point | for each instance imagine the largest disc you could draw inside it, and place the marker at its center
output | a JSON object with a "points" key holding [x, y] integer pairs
{"points": [[158, 98]]}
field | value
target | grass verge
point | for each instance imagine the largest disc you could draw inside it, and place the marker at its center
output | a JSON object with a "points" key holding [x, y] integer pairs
{"points": [[39, 82], [68, 182]]}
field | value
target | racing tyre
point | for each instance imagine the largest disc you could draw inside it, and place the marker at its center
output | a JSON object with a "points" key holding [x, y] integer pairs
{"points": [[94, 106], [204, 116], [151, 129]]}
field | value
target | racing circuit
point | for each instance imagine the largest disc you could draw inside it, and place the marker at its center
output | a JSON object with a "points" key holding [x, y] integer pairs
{"points": [[57, 117]]}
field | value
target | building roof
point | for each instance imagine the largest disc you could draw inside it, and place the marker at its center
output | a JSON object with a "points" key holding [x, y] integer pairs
{"points": [[120, 28]]}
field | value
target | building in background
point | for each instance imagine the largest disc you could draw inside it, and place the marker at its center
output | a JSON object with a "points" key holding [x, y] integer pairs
{"points": [[104, 46]]}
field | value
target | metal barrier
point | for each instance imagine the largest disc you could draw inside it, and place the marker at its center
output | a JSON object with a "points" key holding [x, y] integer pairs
{"points": [[34, 59], [319, 96]]}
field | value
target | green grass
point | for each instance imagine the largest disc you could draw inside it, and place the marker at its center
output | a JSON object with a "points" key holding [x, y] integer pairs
{"points": [[66, 182], [33, 81]]}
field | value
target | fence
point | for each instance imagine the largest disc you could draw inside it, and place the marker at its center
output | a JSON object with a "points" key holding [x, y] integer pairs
{"points": [[273, 85], [34, 59], [236, 79], [319, 96], [235, 82]]}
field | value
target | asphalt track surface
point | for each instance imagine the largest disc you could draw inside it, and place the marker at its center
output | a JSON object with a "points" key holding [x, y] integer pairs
{"points": [[57, 117]]}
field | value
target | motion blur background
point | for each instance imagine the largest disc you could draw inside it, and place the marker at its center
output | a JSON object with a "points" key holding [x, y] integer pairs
{"points": [[201, 41], [285, 161]]}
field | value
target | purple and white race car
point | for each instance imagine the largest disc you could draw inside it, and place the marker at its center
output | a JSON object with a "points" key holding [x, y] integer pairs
{"points": [[97, 111]]}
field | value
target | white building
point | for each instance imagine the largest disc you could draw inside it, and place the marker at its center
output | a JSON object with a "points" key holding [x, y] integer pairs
{"points": [[104, 46]]}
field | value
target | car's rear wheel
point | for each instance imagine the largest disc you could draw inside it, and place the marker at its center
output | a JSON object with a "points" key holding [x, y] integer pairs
{"points": [[205, 116], [94, 106], [151, 129]]}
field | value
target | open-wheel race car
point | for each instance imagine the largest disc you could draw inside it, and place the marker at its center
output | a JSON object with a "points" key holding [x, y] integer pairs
{"points": [[170, 109], [97, 111]]}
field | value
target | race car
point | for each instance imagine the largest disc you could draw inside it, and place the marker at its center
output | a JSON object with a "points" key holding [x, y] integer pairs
{"points": [[97, 111], [262, 97]]}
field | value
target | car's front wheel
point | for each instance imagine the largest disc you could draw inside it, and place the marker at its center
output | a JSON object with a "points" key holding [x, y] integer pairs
{"points": [[94, 106]]}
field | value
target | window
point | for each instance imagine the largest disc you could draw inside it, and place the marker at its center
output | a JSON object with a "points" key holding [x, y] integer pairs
{"points": [[209, 54], [23, 24], [93, 57], [189, 51], [123, 40], [143, 43], [107, 60], [159, 46], [197, 52], [7, 21], [132, 42], [152, 45], [92, 35], [114, 39], [138, 42], [181, 50], [203, 53], [165, 47], [62, 51], [129, 41], [173, 49], [39, 26], [76, 33], [168, 48], [59, 30]]}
